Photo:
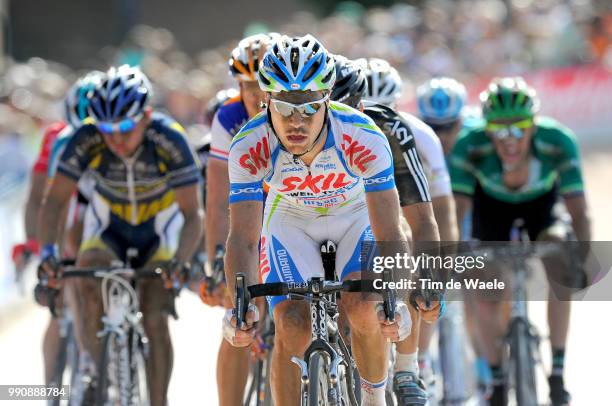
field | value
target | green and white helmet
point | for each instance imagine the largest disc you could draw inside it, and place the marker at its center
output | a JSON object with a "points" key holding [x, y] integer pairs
{"points": [[508, 98], [299, 63]]}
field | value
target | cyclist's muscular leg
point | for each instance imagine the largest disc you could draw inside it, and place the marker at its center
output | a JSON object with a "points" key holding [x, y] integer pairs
{"points": [[492, 319], [560, 277], [369, 345], [410, 344], [88, 309], [154, 299], [291, 338], [51, 342], [232, 373]]}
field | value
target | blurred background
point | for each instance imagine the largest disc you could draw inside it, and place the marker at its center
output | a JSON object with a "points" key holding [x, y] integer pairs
{"points": [[562, 47]]}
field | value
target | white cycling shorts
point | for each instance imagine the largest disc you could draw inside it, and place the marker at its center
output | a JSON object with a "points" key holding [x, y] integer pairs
{"points": [[290, 247]]}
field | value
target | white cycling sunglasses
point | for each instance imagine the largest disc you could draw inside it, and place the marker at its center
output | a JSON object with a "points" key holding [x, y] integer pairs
{"points": [[308, 109]]}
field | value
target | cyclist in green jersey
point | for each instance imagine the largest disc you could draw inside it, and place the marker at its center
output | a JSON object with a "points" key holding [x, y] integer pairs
{"points": [[517, 165]]}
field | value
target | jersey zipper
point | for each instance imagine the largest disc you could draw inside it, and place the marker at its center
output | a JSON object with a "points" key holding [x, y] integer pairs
{"points": [[129, 166]]}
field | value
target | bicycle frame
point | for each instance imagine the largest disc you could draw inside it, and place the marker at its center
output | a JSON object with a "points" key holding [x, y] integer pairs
{"points": [[325, 335], [122, 317]]}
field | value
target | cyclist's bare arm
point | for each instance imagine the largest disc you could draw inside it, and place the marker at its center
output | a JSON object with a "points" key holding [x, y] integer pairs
{"points": [[446, 217], [384, 213], [54, 203], [422, 221], [189, 202], [581, 220], [242, 242], [463, 204], [34, 203], [217, 210]]}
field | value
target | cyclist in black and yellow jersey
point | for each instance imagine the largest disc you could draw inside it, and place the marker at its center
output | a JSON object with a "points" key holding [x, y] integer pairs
{"points": [[146, 196], [519, 165]]}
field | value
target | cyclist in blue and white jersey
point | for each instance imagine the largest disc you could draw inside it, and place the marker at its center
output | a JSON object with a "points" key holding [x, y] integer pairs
{"points": [[146, 196], [385, 87], [330, 175]]}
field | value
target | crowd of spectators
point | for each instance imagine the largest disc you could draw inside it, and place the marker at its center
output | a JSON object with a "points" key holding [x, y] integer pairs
{"points": [[466, 39]]}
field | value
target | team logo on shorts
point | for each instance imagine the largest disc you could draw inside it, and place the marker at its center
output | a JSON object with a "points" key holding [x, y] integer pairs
{"points": [[264, 264]]}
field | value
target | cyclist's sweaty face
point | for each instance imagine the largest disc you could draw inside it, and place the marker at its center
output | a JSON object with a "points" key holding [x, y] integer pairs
{"points": [[297, 131], [124, 144], [512, 139], [252, 96]]}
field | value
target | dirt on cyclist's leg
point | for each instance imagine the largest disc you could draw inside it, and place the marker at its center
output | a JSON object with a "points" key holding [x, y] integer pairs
{"points": [[154, 299], [232, 373], [369, 346], [51, 343], [292, 336], [88, 311]]}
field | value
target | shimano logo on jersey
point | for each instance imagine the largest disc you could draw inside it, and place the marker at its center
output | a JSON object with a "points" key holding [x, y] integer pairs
{"points": [[234, 192], [292, 169], [378, 180], [402, 133]]}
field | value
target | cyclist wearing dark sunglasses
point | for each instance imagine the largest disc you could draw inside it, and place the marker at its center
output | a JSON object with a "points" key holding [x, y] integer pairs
{"points": [[520, 165], [330, 175], [146, 196]]}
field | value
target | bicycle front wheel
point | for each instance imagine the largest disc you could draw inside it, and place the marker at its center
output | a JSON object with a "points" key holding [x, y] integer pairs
{"points": [[106, 369], [138, 365], [318, 387], [523, 364]]}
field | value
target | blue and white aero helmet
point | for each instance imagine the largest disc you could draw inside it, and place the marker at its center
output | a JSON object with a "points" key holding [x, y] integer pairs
{"points": [[123, 93], [299, 63], [440, 100], [384, 82], [77, 99]]}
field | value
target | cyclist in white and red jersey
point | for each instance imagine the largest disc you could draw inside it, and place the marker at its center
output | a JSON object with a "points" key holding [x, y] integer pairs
{"points": [[330, 175], [229, 118]]}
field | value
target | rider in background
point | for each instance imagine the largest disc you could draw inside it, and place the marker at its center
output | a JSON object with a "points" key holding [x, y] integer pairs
{"points": [[385, 87], [146, 196], [75, 110], [230, 117], [441, 105], [519, 165]]}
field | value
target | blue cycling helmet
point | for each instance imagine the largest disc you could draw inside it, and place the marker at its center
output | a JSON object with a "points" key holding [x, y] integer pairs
{"points": [[440, 100], [76, 102], [124, 93], [299, 63]]}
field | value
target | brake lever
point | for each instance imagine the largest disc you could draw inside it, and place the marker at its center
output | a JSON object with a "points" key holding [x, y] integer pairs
{"points": [[389, 297], [241, 300]]}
